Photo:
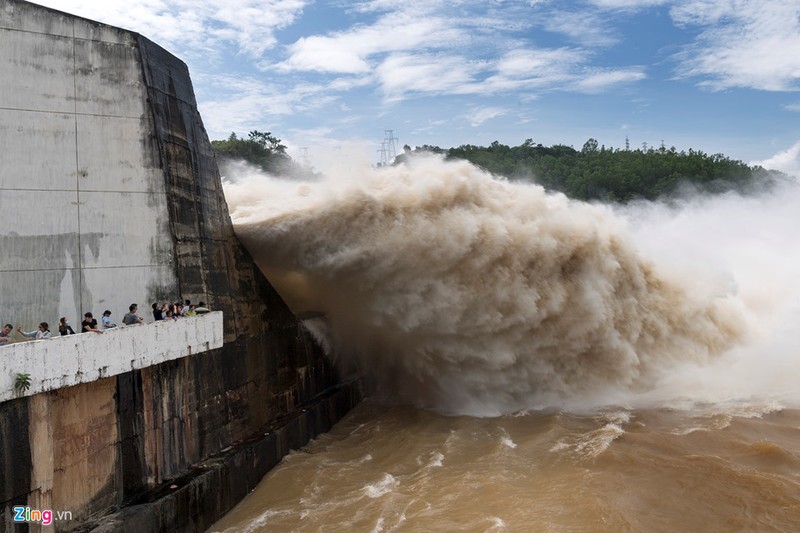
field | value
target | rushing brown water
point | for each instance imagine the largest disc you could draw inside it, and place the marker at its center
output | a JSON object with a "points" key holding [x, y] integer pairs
{"points": [[404, 469], [535, 364]]}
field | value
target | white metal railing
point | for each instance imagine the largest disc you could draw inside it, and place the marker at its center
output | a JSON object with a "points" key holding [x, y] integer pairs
{"points": [[64, 361]]}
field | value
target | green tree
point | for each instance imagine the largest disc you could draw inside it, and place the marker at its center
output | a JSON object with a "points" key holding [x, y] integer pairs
{"points": [[261, 149], [600, 173]]}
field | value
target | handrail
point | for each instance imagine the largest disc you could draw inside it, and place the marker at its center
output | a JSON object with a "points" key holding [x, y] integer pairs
{"points": [[64, 361]]}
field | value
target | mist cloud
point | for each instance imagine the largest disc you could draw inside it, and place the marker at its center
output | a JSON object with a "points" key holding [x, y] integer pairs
{"points": [[455, 291]]}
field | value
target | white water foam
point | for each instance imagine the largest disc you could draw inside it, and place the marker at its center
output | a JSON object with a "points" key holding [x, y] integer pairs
{"points": [[455, 291], [386, 485]]}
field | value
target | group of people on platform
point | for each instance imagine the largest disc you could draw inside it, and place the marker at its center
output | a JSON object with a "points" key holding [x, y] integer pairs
{"points": [[90, 324], [177, 310]]}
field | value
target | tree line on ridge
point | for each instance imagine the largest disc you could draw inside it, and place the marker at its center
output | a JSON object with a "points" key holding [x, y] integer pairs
{"points": [[594, 173]]}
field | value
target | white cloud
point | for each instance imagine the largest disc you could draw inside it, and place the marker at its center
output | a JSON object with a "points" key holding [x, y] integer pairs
{"points": [[240, 103], [748, 43], [402, 73], [599, 81], [539, 63], [427, 48], [786, 161], [193, 26], [429, 126], [327, 54], [627, 4], [587, 27], [481, 115], [557, 69], [534, 69], [793, 107], [419, 6], [347, 83], [349, 51], [700, 12]]}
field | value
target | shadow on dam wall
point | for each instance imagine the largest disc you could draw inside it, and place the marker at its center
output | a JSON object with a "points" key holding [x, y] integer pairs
{"points": [[170, 447]]}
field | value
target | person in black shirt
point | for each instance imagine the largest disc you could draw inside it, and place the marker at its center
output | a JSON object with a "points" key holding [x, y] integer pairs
{"points": [[89, 324]]}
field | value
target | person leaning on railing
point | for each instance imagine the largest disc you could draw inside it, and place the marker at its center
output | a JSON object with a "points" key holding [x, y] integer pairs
{"points": [[42, 333], [89, 324], [5, 334], [105, 321], [64, 328], [132, 316]]}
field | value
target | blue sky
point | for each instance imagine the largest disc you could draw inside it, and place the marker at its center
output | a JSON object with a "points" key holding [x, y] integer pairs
{"points": [[720, 76]]}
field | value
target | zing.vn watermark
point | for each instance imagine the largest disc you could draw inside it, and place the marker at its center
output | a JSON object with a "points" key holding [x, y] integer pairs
{"points": [[45, 516]]}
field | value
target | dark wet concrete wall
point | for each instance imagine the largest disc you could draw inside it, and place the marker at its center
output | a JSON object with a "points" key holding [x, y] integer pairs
{"points": [[15, 452]]}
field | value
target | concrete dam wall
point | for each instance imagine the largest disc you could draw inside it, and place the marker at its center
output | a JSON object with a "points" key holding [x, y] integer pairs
{"points": [[110, 194]]}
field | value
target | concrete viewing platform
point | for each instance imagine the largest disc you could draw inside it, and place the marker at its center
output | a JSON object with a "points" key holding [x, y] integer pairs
{"points": [[64, 361]]}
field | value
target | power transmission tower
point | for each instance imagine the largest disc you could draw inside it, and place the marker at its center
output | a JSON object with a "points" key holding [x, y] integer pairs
{"points": [[384, 160], [388, 150], [391, 148]]}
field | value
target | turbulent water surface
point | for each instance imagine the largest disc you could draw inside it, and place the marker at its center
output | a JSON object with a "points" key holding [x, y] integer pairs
{"points": [[404, 469], [534, 363]]}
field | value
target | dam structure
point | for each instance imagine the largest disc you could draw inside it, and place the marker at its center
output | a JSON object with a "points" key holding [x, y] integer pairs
{"points": [[110, 195]]}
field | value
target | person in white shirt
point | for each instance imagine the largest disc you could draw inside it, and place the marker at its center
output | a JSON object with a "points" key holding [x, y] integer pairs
{"points": [[42, 333]]}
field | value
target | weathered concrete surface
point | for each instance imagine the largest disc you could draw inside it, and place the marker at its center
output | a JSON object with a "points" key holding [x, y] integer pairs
{"points": [[64, 361], [82, 194], [198, 499], [83, 426], [110, 149]]}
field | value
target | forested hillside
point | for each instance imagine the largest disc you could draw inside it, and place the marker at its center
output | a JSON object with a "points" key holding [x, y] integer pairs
{"points": [[607, 174], [592, 173], [260, 149]]}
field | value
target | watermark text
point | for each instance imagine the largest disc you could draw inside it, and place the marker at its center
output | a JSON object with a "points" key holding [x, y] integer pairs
{"points": [[44, 516]]}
